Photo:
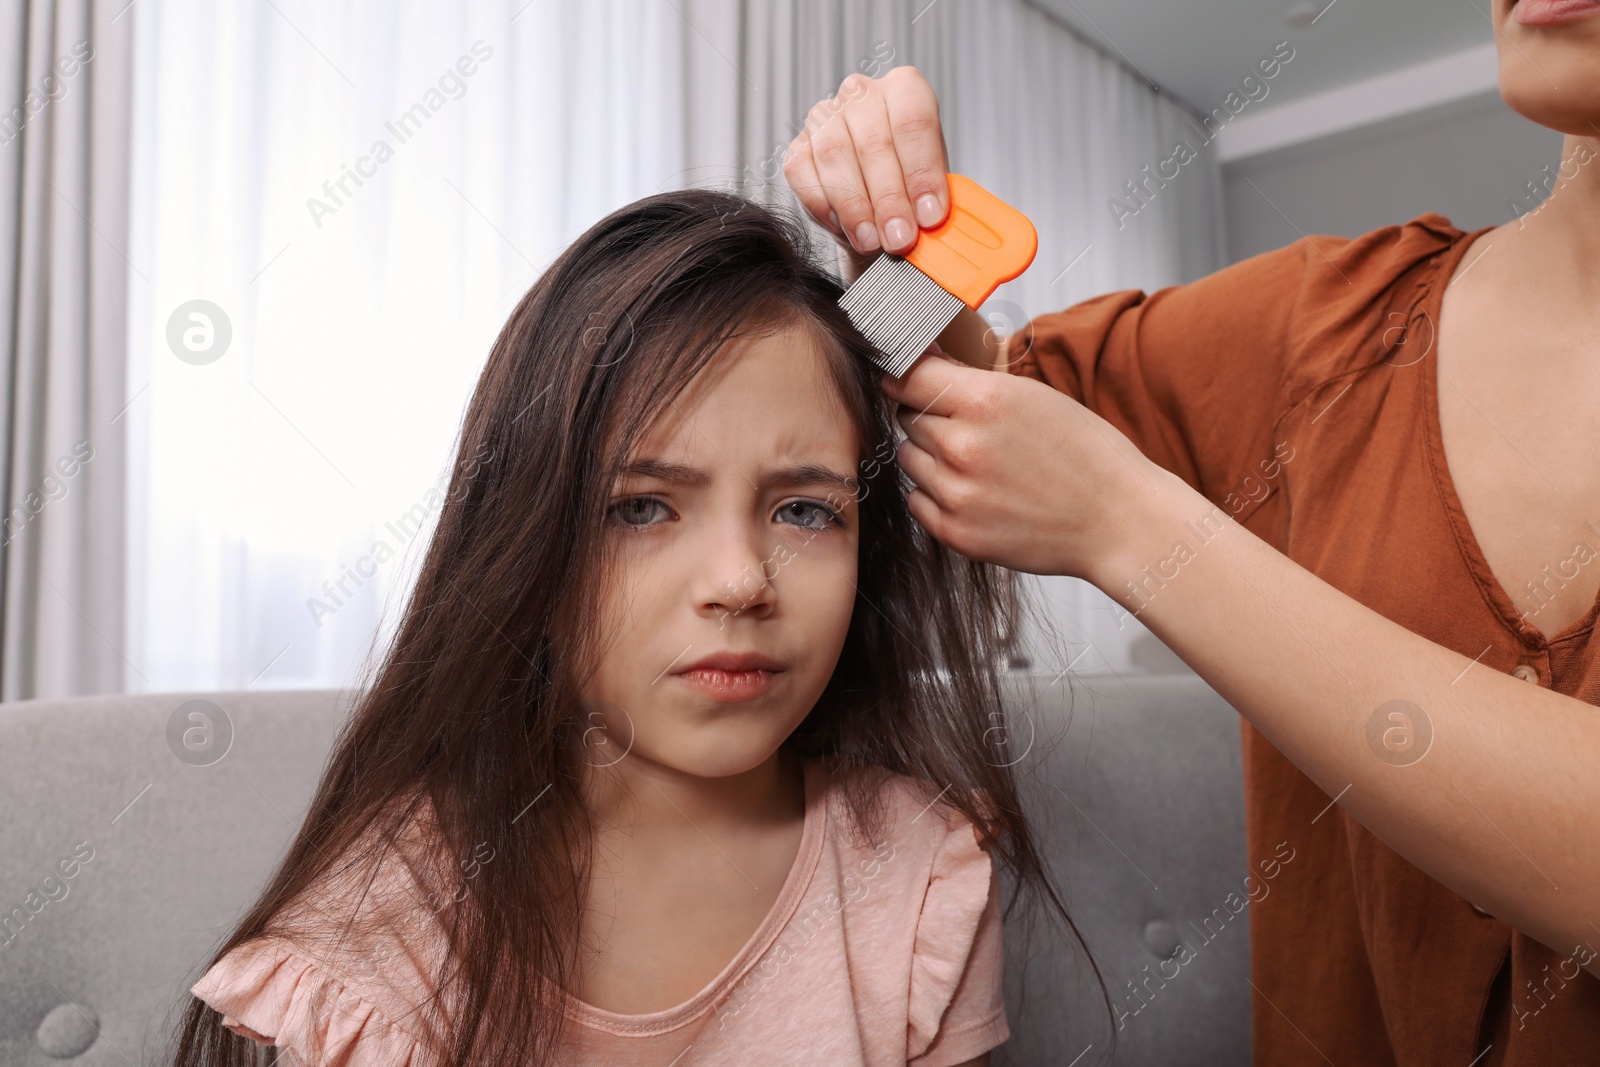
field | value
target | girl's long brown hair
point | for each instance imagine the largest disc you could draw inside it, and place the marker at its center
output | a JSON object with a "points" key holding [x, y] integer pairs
{"points": [[473, 709]]}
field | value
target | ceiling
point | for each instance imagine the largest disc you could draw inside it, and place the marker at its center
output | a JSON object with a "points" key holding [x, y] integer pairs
{"points": [[1198, 50]]}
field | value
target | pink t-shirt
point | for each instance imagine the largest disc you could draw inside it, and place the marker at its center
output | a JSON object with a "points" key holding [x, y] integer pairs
{"points": [[870, 956]]}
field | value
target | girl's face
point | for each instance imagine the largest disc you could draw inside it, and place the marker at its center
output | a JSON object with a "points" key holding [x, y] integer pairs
{"points": [[734, 532]]}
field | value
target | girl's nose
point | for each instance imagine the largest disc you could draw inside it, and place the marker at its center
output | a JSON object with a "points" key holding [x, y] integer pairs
{"points": [[735, 574]]}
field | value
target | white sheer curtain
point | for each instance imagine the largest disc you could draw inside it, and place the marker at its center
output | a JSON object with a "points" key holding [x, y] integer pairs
{"points": [[364, 190], [64, 279]]}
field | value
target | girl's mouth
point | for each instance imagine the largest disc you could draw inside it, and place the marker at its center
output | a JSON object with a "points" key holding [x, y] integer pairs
{"points": [[1552, 12], [728, 685]]}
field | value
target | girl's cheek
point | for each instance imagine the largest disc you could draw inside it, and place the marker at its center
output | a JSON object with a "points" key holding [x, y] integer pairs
{"points": [[821, 553], [828, 578]]}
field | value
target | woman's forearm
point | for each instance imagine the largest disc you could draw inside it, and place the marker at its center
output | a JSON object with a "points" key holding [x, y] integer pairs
{"points": [[1503, 805]]}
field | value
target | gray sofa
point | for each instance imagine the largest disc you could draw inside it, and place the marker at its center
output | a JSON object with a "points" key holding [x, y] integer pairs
{"points": [[129, 848]]}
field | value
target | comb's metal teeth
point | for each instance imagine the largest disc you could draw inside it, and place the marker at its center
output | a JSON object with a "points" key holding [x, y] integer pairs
{"points": [[899, 309]]}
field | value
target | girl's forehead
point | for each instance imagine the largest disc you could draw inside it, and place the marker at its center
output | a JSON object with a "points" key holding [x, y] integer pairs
{"points": [[693, 453], [770, 395]]}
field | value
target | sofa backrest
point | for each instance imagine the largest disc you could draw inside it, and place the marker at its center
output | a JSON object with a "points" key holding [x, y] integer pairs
{"points": [[138, 828], [1133, 787]]}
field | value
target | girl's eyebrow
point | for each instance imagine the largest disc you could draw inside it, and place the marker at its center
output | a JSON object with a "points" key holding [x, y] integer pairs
{"points": [[774, 477]]}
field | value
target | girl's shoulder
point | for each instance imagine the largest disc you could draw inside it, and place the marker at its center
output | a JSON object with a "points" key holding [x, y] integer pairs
{"points": [[913, 813], [921, 868], [923, 912]]}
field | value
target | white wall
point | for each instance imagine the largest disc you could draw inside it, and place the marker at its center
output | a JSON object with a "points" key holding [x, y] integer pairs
{"points": [[1467, 160]]}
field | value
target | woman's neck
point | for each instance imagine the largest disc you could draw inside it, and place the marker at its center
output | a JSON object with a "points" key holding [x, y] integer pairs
{"points": [[1557, 243]]}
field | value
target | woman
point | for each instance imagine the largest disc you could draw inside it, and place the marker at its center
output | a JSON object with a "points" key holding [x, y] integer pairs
{"points": [[1400, 429]]}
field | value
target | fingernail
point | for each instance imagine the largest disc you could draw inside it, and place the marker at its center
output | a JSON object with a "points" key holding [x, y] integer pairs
{"points": [[834, 221], [866, 237], [898, 231], [928, 213]]}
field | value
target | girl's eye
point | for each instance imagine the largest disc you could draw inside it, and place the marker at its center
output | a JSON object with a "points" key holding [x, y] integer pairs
{"points": [[809, 510], [638, 507], [637, 513]]}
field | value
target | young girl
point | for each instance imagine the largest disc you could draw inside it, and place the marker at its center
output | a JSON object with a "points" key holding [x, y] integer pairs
{"points": [[686, 750]]}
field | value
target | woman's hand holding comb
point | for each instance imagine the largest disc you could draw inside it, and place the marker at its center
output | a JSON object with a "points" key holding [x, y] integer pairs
{"points": [[870, 163], [870, 167]]}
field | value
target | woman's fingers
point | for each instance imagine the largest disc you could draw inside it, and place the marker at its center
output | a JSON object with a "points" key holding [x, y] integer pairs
{"points": [[931, 383], [838, 164], [872, 157], [1013, 472], [919, 142], [800, 171], [877, 156]]}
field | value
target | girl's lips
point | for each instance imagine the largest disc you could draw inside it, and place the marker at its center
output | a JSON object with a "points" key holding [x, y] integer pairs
{"points": [[1552, 12], [728, 685]]}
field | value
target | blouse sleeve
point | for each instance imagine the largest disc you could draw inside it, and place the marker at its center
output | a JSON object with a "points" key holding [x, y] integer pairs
{"points": [[274, 994], [957, 1005], [1192, 374], [1199, 375]]}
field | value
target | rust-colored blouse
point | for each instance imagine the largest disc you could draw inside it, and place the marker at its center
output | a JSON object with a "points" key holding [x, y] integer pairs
{"points": [[1298, 390]]}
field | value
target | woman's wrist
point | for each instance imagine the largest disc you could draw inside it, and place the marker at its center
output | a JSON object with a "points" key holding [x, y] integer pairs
{"points": [[1151, 528]]}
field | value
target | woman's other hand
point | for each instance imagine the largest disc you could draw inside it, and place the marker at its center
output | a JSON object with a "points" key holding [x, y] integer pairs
{"points": [[1011, 471], [870, 163]]}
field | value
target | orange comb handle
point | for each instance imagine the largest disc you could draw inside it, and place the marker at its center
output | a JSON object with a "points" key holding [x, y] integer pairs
{"points": [[982, 242]]}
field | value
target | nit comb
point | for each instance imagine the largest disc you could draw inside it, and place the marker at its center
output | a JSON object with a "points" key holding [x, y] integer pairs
{"points": [[901, 303]]}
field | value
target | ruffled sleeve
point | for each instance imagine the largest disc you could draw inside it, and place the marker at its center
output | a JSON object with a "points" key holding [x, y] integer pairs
{"points": [[270, 992], [957, 1005]]}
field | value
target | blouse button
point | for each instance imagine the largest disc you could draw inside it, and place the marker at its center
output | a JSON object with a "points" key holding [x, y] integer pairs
{"points": [[1527, 672]]}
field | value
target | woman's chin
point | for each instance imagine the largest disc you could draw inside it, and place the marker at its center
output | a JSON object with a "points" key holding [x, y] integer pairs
{"points": [[1557, 87]]}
